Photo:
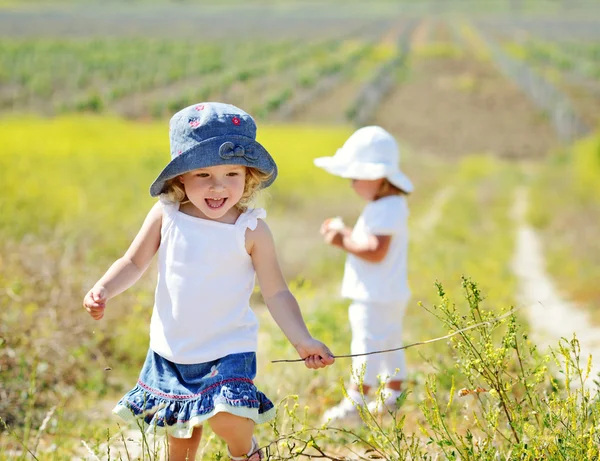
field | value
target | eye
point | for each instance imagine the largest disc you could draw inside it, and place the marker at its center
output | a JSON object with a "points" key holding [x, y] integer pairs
{"points": [[233, 173], [201, 175]]}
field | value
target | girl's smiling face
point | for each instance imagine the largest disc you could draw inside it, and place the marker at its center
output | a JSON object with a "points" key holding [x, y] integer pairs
{"points": [[367, 188], [215, 190]]}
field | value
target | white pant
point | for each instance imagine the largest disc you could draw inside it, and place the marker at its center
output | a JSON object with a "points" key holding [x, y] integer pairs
{"points": [[377, 326]]}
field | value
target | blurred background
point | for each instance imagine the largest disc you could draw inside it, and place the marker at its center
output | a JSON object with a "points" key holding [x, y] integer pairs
{"points": [[495, 103]]}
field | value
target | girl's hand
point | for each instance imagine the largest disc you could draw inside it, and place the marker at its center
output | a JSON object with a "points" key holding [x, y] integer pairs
{"points": [[95, 302], [331, 224], [325, 226], [315, 353], [334, 237]]}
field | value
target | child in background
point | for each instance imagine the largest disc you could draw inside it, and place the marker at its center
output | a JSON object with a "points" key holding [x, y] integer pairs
{"points": [[375, 275], [203, 334]]}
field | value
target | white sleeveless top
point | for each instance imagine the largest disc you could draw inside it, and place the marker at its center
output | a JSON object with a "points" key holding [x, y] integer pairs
{"points": [[205, 279]]}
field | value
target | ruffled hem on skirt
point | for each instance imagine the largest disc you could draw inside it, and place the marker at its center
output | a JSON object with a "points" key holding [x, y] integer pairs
{"points": [[179, 416]]}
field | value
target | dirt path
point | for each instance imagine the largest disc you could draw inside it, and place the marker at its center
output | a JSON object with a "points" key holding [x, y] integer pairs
{"points": [[550, 316], [332, 105]]}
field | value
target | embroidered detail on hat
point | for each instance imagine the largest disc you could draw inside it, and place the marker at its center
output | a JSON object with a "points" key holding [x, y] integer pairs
{"points": [[194, 122], [200, 107], [236, 121], [228, 150]]}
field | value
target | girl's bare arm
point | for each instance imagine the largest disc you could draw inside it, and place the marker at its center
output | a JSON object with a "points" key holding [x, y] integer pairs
{"points": [[126, 270], [374, 250], [281, 303]]}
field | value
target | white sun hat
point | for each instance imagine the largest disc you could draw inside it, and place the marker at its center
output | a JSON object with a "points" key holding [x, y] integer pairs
{"points": [[370, 153]]}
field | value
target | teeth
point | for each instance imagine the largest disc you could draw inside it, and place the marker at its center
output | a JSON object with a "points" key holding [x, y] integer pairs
{"points": [[215, 202]]}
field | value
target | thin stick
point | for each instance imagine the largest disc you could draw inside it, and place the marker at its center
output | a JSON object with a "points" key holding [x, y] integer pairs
{"points": [[420, 343]]}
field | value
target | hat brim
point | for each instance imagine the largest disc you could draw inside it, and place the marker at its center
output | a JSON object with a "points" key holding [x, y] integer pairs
{"points": [[401, 181], [206, 154], [365, 170]]}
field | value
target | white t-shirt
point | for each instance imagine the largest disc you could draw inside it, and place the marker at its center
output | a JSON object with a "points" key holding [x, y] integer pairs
{"points": [[387, 280], [205, 279]]}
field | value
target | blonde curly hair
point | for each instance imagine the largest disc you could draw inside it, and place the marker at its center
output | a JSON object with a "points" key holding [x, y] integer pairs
{"points": [[175, 192]]}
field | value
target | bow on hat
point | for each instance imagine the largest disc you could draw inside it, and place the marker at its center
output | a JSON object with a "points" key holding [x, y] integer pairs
{"points": [[228, 150]]}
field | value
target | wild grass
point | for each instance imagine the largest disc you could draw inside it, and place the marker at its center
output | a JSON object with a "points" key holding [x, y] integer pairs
{"points": [[76, 192], [512, 406], [74, 197]]}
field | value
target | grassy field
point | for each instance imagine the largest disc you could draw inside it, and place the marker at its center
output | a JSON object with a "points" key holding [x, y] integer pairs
{"points": [[61, 237], [65, 229], [84, 133], [90, 208]]}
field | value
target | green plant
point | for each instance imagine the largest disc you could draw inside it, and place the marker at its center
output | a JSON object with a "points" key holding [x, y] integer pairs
{"points": [[519, 409]]}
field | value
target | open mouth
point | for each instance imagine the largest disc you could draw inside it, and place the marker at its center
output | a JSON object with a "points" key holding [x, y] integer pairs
{"points": [[215, 203]]}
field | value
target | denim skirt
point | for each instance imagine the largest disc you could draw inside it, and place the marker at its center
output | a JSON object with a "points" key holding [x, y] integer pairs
{"points": [[175, 398]]}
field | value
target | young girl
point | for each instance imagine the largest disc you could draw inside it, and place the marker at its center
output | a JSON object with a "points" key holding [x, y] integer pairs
{"points": [[375, 275], [203, 334]]}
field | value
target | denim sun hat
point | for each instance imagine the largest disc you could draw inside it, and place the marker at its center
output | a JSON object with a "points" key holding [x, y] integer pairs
{"points": [[369, 153], [210, 134]]}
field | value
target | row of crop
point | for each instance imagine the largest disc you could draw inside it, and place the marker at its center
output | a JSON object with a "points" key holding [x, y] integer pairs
{"points": [[362, 109], [304, 64], [319, 62], [63, 72], [545, 95], [555, 29], [41, 67], [545, 53], [219, 85], [587, 50], [320, 78], [269, 86], [92, 74], [272, 85]]}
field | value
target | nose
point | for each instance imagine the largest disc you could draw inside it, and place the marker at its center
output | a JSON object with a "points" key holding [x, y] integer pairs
{"points": [[216, 185]]}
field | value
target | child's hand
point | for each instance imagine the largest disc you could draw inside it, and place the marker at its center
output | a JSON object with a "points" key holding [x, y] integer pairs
{"points": [[315, 353], [331, 224], [334, 237], [95, 302]]}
